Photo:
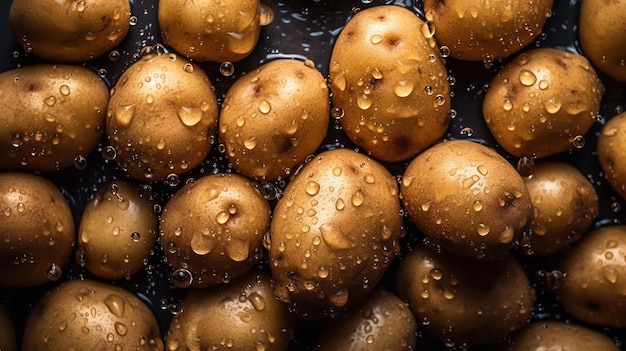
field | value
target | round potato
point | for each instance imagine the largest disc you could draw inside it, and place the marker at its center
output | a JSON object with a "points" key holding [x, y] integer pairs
{"points": [[36, 231], [161, 117], [69, 31], [274, 117], [206, 30], [86, 314], [334, 232], [556, 335], [467, 198], [463, 301], [478, 30], [388, 78], [52, 115], [117, 231], [212, 229], [602, 35], [611, 150], [542, 101], [594, 289], [8, 340]]}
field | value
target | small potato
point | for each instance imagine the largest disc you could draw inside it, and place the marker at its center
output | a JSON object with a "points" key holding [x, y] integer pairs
{"points": [[478, 30], [212, 229], [467, 198], [117, 231], [36, 231], [556, 335], [274, 117], [543, 102], [207, 30], [594, 289], [52, 116], [334, 233], [8, 340], [462, 301], [611, 150], [69, 31], [565, 205], [602, 35], [162, 117], [90, 315], [388, 78]]}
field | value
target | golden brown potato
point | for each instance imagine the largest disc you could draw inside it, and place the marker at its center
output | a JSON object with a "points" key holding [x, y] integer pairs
{"points": [[117, 231], [542, 101], [274, 117], [90, 315], [611, 150], [69, 31], [52, 115], [36, 231], [161, 117], [478, 30], [334, 232], [467, 198], [556, 335], [390, 82], [8, 340]]}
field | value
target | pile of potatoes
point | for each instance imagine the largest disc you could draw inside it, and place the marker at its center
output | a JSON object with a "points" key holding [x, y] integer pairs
{"points": [[358, 175]]}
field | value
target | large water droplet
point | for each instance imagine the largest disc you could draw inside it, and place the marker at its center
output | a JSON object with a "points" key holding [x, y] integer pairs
{"points": [[334, 237], [190, 116], [124, 115]]}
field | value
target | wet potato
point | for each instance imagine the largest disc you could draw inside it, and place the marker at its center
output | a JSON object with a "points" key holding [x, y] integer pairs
{"points": [[611, 150]]}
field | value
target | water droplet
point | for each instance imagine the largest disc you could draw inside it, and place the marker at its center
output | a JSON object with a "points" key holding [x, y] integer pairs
{"points": [[227, 69], [265, 107], [552, 105], [440, 100], [483, 229], [257, 301], [135, 237], [403, 88], [357, 198], [124, 115], [50, 100], [109, 153], [337, 113], [525, 166], [312, 188], [508, 105], [340, 298], [444, 51], [114, 55], [115, 304], [65, 90], [428, 29], [579, 141], [54, 272], [527, 77], [182, 278], [364, 102], [222, 217], [610, 274], [436, 274], [121, 329], [237, 250], [80, 162], [376, 39], [543, 84], [334, 237]]}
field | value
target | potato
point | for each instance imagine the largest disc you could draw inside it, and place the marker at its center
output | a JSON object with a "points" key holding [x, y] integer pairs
{"points": [[556, 335], [388, 78], [463, 301], [543, 102], [611, 150], [90, 315], [334, 233], [274, 117], [467, 198], [594, 289], [69, 31], [212, 229], [243, 315], [602, 36], [117, 231], [162, 117], [53, 115], [478, 30], [36, 231], [381, 322], [8, 340], [565, 206], [206, 30]]}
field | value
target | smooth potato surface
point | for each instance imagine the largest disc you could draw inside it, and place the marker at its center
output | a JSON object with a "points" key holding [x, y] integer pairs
{"points": [[611, 150], [558, 335]]}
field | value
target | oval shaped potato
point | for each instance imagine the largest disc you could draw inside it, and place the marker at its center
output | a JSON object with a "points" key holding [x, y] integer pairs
{"points": [[467, 198], [81, 314], [206, 30], [8, 340], [117, 231], [556, 335], [390, 82], [462, 301], [611, 150], [37, 230], [162, 117], [594, 289], [541, 101], [213, 228], [381, 322], [602, 36], [334, 232], [69, 31], [243, 315], [274, 117], [53, 114], [478, 30]]}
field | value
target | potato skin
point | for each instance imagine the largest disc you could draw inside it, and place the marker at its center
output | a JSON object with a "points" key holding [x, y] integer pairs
{"points": [[69, 31], [595, 277], [91, 315], [334, 232], [161, 117], [467, 198], [549, 335], [37, 230], [391, 83], [274, 117], [52, 115], [541, 101], [611, 150]]}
